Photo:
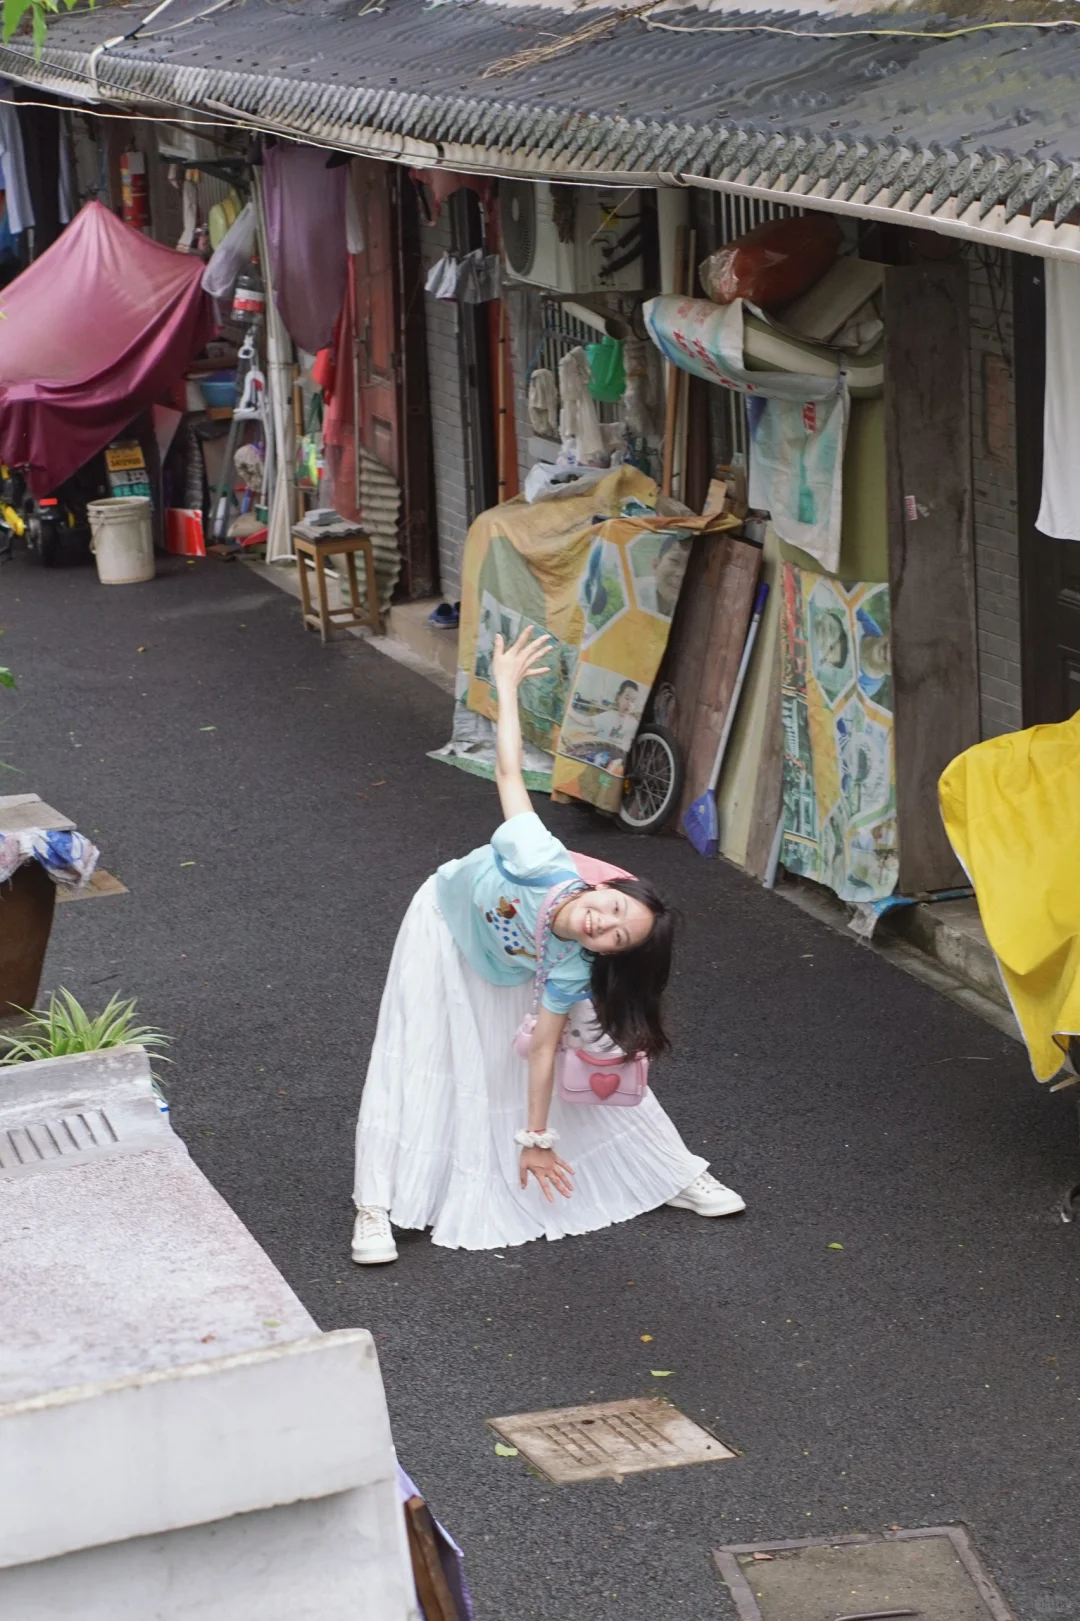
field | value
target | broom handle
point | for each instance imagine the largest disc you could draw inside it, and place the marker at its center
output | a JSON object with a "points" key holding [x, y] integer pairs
{"points": [[744, 663]]}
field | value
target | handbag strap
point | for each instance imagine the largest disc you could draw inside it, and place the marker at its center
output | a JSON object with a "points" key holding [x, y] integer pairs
{"points": [[565, 883], [554, 898]]}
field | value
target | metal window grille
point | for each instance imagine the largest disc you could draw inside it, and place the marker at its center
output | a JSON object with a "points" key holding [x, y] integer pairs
{"points": [[734, 216], [562, 332]]}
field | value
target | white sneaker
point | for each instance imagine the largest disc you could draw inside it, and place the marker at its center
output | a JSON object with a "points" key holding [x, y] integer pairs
{"points": [[372, 1241], [707, 1197]]}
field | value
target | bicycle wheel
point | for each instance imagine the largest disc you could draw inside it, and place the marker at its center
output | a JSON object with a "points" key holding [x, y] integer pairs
{"points": [[653, 782]]}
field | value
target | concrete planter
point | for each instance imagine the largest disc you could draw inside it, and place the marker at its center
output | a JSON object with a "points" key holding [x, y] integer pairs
{"points": [[177, 1438]]}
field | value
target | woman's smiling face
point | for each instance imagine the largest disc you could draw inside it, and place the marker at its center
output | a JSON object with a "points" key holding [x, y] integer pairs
{"points": [[604, 920]]}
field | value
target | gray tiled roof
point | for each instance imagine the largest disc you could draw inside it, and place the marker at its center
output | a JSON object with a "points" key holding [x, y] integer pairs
{"points": [[989, 121]]}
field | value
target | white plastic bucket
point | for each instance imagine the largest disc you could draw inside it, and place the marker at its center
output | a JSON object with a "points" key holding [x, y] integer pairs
{"points": [[122, 539]]}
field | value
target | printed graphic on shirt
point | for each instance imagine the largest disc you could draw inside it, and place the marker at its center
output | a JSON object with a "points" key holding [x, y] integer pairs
{"points": [[503, 918]]}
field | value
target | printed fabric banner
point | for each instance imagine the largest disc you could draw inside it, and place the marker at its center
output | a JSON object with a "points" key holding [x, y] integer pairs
{"points": [[601, 574], [797, 422], [837, 706]]}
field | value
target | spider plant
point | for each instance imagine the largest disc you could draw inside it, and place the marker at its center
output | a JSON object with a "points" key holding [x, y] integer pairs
{"points": [[65, 1027]]}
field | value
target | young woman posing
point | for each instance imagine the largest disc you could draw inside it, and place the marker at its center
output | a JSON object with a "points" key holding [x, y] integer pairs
{"points": [[458, 1133]]}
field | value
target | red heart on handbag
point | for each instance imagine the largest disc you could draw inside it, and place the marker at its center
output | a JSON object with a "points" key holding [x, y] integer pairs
{"points": [[604, 1084]]}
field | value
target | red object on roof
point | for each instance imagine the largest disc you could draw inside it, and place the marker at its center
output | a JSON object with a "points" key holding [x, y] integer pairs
{"points": [[96, 330]]}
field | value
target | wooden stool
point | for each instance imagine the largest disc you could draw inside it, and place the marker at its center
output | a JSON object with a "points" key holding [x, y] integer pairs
{"points": [[336, 540]]}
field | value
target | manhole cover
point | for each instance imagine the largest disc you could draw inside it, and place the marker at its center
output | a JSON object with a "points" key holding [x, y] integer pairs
{"points": [[934, 1574], [609, 1439]]}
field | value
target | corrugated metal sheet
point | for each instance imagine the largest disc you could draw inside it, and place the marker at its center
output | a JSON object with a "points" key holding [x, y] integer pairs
{"points": [[980, 131], [380, 503]]}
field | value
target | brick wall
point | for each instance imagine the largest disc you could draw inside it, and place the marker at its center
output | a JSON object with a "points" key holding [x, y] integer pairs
{"points": [[993, 450], [447, 421]]}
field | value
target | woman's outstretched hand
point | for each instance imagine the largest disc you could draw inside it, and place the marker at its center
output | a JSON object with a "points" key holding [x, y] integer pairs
{"points": [[510, 665], [549, 1170]]}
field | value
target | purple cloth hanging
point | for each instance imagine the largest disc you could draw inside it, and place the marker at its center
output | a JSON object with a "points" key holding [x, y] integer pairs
{"points": [[305, 225]]}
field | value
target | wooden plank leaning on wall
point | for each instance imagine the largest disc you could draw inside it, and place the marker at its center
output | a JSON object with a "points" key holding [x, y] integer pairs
{"points": [[706, 645], [935, 659]]}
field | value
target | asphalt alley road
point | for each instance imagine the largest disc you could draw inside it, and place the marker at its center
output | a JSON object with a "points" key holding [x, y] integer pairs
{"points": [[269, 803]]}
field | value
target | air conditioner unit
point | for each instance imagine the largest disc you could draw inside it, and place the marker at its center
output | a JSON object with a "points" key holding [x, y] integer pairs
{"points": [[572, 239]]}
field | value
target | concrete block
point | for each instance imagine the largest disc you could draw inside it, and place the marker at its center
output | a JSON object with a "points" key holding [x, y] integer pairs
{"points": [[187, 1446], [176, 1436], [408, 623]]}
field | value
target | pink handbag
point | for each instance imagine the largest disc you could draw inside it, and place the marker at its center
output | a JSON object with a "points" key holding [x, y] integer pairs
{"points": [[583, 1074]]}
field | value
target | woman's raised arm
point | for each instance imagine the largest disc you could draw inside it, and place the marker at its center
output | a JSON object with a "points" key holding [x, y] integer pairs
{"points": [[509, 667]]}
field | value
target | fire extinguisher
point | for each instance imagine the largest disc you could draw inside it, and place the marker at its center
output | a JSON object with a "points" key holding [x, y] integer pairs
{"points": [[134, 191]]}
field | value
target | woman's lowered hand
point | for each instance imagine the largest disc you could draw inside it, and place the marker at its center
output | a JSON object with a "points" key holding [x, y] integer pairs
{"points": [[549, 1170]]}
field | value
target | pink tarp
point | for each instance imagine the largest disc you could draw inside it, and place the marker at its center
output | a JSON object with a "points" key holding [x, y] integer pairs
{"points": [[96, 330]]}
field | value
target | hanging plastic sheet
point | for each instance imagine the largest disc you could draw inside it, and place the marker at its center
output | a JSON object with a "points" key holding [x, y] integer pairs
{"points": [[69, 384], [1009, 807], [836, 702], [797, 470], [600, 572], [230, 257], [798, 421]]}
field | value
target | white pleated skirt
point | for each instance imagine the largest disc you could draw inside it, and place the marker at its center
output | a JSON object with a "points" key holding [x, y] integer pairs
{"points": [[445, 1093]]}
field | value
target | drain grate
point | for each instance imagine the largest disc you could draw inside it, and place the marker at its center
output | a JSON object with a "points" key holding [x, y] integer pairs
{"points": [[932, 1573], [607, 1440], [40, 1143]]}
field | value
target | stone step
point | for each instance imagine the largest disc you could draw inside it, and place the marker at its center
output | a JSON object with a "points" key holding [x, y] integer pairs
{"points": [[952, 933]]}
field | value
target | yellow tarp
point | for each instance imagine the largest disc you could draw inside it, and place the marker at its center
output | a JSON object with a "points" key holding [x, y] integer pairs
{"points": [[600, 573], [1011, 807]]}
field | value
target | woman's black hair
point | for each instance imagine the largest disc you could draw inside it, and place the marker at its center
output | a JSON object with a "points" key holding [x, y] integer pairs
{"points": [[627, 987]]}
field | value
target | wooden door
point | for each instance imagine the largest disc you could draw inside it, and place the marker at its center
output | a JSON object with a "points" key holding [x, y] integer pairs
{"points": [[374, 274], [931, 555], [387, 292], [1049, 569]]}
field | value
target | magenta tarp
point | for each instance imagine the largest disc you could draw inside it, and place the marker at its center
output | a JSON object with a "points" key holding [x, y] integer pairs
{"points": [[96, 330]]}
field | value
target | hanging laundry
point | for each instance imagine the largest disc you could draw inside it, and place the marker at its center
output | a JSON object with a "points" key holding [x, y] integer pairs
{"points": [[1059, 510], [305, 226], [189, 208], [479, 277], [41, 149], [579, 420], [68, 195], [13, 180], [442, 278], [543, 403]]}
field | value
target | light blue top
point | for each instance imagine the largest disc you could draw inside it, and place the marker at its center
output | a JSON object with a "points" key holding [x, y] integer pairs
{"points": [[491, 900]]}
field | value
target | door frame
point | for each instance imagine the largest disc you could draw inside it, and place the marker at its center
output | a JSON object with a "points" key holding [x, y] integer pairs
{"points": [[1035, 550]]}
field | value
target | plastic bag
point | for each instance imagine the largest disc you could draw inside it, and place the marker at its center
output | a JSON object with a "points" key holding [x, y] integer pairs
{"points": [[478, 277], [607, 370], [442, 278], [310, 453], [773, 263], [230, 256]]}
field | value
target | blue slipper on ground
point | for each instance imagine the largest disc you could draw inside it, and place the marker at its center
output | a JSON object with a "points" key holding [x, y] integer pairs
{"points": [[446, 616]]}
